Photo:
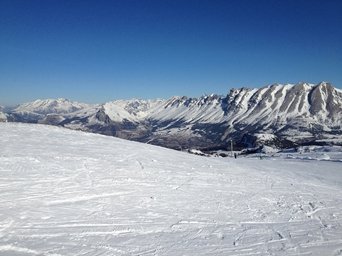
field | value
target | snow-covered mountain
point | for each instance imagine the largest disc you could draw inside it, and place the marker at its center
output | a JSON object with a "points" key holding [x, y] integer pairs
{"points": [[51, 106], [286, 114], [50, 111], [3, 115], [69, 193]]}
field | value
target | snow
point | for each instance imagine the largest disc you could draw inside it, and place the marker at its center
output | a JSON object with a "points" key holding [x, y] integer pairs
{"points": [[131, 110], [265, 136], [67, 192], [283, 109], [320, 153], [3, 117], [205, 109], [49, 106]]}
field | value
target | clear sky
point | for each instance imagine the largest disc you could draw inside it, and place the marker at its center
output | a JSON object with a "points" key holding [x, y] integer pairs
{"points": [[97, 51]]}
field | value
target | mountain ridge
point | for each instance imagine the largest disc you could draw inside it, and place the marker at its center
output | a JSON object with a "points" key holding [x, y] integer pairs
{"points": [[293, 113]]}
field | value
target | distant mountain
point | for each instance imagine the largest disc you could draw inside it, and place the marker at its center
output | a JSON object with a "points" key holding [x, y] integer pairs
{"points": [[278, 115], [51, 106], [3, 115], [48, 109]]}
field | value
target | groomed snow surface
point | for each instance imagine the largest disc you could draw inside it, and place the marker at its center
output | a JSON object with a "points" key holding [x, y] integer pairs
{"points": [[66, 192]]}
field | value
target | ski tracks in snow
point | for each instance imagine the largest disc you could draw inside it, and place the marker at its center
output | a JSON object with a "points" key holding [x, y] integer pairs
{"points": [[69, 193]]}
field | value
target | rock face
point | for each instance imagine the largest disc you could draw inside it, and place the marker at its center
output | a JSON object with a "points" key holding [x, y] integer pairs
{"points": [[280, 115]]}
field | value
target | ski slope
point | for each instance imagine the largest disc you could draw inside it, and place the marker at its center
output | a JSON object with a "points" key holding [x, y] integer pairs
{"points": [[65, 192]]}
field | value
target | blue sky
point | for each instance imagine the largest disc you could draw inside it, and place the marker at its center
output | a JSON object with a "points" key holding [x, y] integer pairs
{"points": [[96, 51]]}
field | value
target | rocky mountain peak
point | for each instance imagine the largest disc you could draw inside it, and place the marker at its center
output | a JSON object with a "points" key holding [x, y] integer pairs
{"points": [[291, 112]]}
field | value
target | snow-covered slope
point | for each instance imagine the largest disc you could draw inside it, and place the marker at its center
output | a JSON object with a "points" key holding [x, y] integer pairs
{"points": [[301, 113], [3, 116], [283, 106], [66, 192], [206, 109], [130, 110]]}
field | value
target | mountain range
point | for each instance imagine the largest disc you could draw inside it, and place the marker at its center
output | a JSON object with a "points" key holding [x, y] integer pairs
{"points": [[277, 115]]}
